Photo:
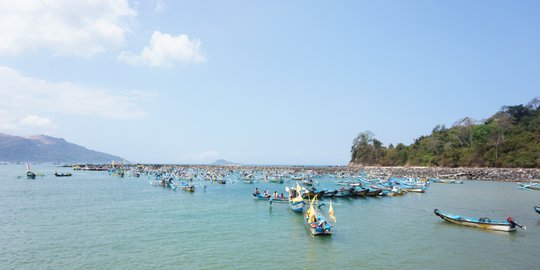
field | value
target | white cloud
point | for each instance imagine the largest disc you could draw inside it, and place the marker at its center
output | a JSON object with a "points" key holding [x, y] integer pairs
{"points": [[24, 98], [36, 121], [166, 50], [73, 27]]}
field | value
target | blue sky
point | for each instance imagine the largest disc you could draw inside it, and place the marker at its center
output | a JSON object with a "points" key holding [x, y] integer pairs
{"points": [[259, 82]]}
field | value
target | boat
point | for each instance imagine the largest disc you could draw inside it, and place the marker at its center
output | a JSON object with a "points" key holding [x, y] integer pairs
{"points": [[190, 188], [62, 174], [373, 192], [533, 186], [167, 183], [307, 182], [29, 174], [269, 198], [508, 225], [537, 209], [296, 202], [315, 222], [445, 181]]}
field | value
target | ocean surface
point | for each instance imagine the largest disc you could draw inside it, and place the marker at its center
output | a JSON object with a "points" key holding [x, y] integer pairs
{"points": [[96, 221]]}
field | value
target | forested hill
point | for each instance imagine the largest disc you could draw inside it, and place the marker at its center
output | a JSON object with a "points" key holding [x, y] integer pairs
{"points": [[509, 138]]}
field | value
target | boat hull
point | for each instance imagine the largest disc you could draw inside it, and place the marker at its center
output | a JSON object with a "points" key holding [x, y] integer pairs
{"points": [[537, 209], [297, 206], [496, 225], [318, 230]]}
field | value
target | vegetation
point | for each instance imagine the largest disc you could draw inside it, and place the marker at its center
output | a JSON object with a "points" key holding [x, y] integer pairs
{"points": [[509, 138]]}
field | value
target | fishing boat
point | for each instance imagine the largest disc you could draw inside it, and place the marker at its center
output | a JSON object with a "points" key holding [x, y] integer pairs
{"points": [[308, 182], [508, 225], [190, 188], [62, 174], [29, 174], [445, 181], [533, 186], [296, 202], [537, 209], [167, 183], [269, 198], [315, 222], [373, 192]]}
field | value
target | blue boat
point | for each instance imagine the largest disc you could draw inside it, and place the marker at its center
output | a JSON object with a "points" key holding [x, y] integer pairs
{"points": [[296, 201], [269, 198], [316, 223], [537, 209], [508, 225]]}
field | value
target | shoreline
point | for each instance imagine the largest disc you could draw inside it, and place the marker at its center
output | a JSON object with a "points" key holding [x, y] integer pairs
{"points": [[459, 173], [382, 172]]}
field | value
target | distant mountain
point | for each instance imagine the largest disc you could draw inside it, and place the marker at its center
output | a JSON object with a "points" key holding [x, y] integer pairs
{"points": [[222, 162], [41, 148]]}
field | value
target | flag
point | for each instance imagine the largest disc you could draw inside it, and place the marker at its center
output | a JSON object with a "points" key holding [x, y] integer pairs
{"points": [[310, 213], [331, 212]]}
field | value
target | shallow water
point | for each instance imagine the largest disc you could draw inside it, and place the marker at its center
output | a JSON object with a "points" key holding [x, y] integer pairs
{"points": [[93, 220]]}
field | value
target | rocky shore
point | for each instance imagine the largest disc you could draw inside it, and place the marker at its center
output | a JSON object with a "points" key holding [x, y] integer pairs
{"points": [[487, 174]]}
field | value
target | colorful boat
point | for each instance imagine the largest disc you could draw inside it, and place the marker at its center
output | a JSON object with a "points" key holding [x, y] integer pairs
{"points": [[316, 223], [296, 202], [269, 198], [508, 225]]}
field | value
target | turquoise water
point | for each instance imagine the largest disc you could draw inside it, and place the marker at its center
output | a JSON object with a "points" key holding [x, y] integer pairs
{"points": [[95, 221]]}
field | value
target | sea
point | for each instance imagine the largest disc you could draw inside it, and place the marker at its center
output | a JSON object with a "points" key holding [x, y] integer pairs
{"points": [[93, 220]]}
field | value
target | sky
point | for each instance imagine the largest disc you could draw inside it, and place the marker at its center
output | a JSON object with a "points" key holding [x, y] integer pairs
{"points": [[258, 82]]}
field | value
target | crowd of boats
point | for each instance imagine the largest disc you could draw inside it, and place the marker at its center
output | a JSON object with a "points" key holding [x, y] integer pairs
{"points": [[304, 194]]}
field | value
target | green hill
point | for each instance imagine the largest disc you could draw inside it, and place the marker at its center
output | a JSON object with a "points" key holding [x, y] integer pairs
{"points": [[509, 138]]}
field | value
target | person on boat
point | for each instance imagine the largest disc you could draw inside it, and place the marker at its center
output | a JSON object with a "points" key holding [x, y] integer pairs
{"points": [[281, 195], [257, 192], [293, 193], [266, 195], [275, 194]]}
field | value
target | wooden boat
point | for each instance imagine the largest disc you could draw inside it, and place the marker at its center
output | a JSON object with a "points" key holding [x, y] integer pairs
{"points": [[166, 183], [296, 202], [308, 182], [269, 198], [62, 174], [30, 175], [533, 186], [190, 188], [508, 225], [316, 223], [374, 192], [537, 209], [446, 181]]}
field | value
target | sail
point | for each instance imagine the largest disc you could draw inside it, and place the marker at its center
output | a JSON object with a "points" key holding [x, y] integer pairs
{"points": [[310, 213], [27, 167], [331, 212]]}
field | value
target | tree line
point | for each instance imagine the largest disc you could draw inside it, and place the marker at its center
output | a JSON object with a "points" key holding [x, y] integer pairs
{"points": [[509, 138]]}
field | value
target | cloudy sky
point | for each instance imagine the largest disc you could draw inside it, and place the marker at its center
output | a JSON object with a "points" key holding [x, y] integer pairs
{"points": [[259, 82]]}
